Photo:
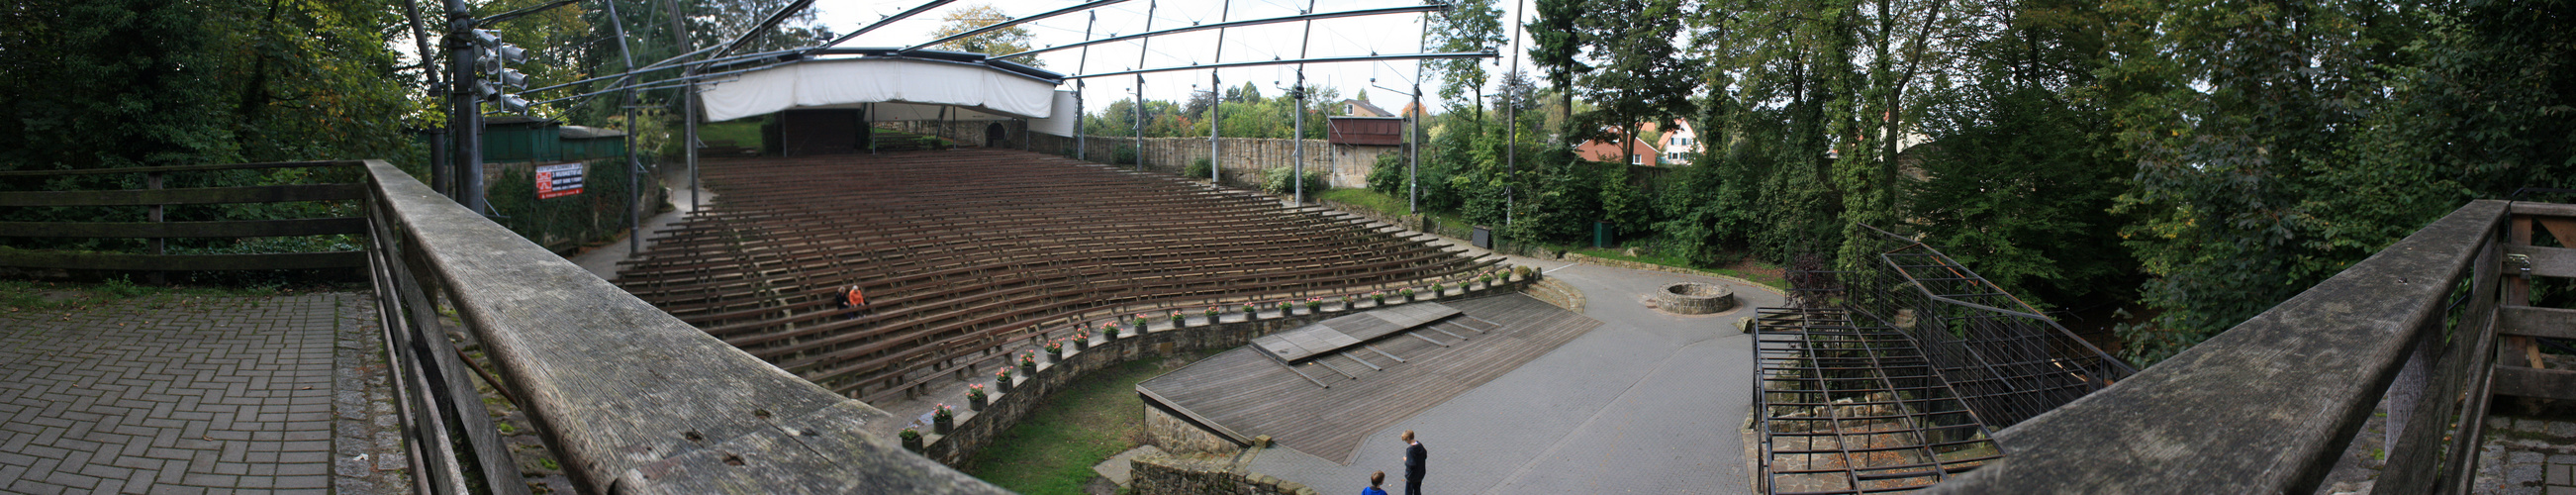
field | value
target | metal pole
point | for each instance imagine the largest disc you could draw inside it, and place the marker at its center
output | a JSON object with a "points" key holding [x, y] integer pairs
{"points": [[1413, 153], [1143, 47], [1081, 138], [1297, 171], [467, 119], [1511, 117], [634, 169], [688, 107], [1216, 95], [438, 174]]}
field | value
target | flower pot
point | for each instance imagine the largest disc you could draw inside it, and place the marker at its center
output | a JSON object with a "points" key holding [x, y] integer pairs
{"points": [[912, 443], [1029, 368], [1002, 384], [944, 424], [975, 402]]}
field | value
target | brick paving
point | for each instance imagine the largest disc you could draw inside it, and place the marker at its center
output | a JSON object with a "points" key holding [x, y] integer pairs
{"points": [[2527, 456], [195, 395]]}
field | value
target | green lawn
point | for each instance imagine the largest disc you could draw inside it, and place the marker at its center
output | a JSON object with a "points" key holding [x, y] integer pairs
{"points": [[1053, 449], [1667, 259], [744, 133]]}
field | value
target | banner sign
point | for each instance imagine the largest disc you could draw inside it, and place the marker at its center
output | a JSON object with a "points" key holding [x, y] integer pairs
{"points": [[554, 181]]}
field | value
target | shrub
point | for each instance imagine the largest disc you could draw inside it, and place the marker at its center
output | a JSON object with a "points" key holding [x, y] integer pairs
{"points": [[1197, 169], [1125, 155], [1275, 181], [1389, 175]]}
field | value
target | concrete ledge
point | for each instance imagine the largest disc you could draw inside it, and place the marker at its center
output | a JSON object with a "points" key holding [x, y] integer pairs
{"points": [[633, 399], [973, 430]]}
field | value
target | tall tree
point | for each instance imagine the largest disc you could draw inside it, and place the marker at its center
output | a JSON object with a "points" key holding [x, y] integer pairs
{"points": [[1470, 25], [1003, 41]]}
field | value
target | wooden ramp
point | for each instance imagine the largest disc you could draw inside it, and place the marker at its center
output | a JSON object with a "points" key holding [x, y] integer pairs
{"points": [[1308, 342], [1243, 392]]}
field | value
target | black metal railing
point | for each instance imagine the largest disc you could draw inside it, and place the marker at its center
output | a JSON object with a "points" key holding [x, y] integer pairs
{"points": [[2006, 359]]}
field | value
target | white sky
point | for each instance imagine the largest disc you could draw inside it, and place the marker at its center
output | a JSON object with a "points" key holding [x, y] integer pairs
{"points": [[1349, 36]]}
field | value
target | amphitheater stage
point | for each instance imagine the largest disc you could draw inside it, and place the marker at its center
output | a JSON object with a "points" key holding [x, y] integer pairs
{"points": [[1327, 401]]}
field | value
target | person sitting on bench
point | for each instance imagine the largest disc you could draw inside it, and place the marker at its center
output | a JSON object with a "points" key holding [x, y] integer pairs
{"points": [[854, 299]]}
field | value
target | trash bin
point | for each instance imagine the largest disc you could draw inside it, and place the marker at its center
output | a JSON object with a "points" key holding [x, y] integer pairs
{"points": [[1601, 235], [1483, 238]]}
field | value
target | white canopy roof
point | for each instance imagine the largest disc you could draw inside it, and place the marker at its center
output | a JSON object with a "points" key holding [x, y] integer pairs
{"points": [[986, 91]]}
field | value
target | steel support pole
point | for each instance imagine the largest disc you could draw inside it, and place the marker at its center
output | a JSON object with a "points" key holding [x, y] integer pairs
{"points": [[1143, 46], [634, 169], [1081, 137], [466, 121]]}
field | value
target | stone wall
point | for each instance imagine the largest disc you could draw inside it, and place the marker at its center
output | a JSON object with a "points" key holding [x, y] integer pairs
{"points": [[1178, 436], [1579, 257], [1205, 474], [973, 430], [1557, 292]]}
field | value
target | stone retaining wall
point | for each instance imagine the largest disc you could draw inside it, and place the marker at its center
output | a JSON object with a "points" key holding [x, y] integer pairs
{"points": [[1178, 436], [974, 429], [1580, 257], [1558, 293], [1195, 475]]}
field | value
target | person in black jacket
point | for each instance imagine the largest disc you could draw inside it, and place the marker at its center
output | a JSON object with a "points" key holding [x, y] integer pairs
{"points": [[1414, 456]]}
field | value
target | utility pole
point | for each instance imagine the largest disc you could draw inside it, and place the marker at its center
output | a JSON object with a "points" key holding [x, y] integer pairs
{"points": [[1511, 117], [1216, 94], [688, 104], [1143, 46], [1297, 173], [634, 169], [1081, 139], [1413, 153], [465, 119]]}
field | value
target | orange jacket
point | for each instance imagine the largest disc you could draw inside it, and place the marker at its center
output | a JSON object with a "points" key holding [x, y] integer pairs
{"points": [[858, 297]]}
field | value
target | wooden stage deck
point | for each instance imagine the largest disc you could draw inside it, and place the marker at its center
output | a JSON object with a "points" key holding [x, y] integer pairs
{"points": [[1325, 405], [1323, 338]]}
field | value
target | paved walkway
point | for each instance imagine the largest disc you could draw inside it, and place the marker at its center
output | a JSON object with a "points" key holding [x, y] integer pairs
{"points": [[2527, 456], [167, 394], [1649, 403]]}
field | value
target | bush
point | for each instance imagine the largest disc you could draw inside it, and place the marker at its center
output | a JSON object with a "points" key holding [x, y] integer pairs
{"points": [[1125, 155], [1275, 181], [1389, 175], [1197, 169]]}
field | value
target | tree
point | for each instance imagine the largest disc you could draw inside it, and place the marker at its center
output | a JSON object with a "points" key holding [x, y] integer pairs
{"points": [[1003, 41], [1470, 25]]}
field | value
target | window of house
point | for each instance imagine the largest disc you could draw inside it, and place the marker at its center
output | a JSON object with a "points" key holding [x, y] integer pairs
{"points": [[1635, 159]]}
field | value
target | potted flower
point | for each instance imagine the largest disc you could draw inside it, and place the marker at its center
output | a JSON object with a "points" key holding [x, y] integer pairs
{"points": [[1404, 294], [911, 440], [1251, 312], [1346, 302], [1029, 363], [1284, 307], [1211, 315], [975, 397], [943, 420], [1378, 297], [1176, 318], [1314, 304], [1002, 379], [1081, 340], [1486, 280]]}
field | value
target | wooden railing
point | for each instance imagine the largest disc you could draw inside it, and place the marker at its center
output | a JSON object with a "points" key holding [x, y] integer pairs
{"points": [[157, 199], [632, 399], [2270, 405]]}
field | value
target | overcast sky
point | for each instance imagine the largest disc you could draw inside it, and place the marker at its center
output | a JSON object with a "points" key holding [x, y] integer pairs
{"points": [[1349, 36]]}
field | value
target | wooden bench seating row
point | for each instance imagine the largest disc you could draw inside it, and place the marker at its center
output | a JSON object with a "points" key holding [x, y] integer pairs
{"points": [[967, 249]]}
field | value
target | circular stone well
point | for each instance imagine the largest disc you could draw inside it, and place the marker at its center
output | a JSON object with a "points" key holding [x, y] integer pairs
{"points": [[1693, 298]]}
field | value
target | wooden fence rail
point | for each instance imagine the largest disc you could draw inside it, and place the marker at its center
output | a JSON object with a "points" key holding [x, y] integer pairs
{"points": [[157, 230]]}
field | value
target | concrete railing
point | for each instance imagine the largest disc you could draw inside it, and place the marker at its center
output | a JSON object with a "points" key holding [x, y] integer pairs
{"points": [[632, 399], [2268, 406]]}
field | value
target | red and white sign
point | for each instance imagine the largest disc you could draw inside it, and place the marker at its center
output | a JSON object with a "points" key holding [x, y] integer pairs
{"points": [[554, 181]]}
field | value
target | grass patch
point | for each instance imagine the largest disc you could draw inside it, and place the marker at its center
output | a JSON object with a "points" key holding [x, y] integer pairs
{"points": [[1052, 450], [744, 133], [1383, 204]]}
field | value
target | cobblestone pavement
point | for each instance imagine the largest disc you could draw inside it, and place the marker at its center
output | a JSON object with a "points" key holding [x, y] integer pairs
{"points": [[1649, 403], [167, 394], [2525, 456]]}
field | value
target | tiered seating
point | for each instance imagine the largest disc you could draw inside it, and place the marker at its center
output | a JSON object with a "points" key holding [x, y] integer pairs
{"points": [[965, 253]]}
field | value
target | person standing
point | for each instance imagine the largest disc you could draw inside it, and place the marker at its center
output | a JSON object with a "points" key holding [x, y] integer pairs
{"points": [[1414, 456], [1375, 479]]}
